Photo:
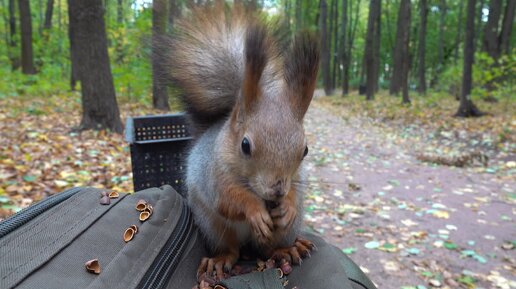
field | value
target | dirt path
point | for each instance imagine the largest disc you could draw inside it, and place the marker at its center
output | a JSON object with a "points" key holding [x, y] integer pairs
{"points": [[406, 223]]}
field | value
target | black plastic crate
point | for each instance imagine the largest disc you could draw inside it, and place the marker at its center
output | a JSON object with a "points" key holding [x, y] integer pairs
{"points": [[158, 145]]}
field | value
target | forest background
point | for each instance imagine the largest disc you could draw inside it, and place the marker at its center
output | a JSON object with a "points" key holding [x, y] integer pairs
{"points": [[412, 131]]}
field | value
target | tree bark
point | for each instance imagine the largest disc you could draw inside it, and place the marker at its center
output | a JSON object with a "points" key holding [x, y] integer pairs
{"points": [[372, 45], [173, 12], [48, 14], [458, 36], [401, 53], [159, 24], [353, 25], [99, 105], [299, 23], [378, 40], [40, 17], [343, 43], [335, 44], [508, 21], [466, 106], [490, 40], [27, 57], [325, 49], [287, 15], [440, 48], [406, 56], [423, 12], [74, 78], [120, 11], [479, 26], [12, 22]]}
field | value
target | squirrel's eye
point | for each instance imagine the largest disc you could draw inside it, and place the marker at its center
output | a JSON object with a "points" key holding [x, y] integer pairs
{"points": [[306, 152], [246, 146]]}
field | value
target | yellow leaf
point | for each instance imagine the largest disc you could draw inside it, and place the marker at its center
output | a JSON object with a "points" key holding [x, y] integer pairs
{"points": [[441, 214]]}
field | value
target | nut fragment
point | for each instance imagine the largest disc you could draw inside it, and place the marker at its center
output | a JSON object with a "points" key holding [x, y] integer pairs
{"points": [[285, 267], [105, 200], [129, 234], [135, 228], [113, 195], [93, 266], [149, 208], [270, 264], [144, 216], [141, 205]]}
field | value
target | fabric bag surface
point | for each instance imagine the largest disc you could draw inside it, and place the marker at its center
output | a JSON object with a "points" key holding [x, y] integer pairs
{"points": [[47, 245]]}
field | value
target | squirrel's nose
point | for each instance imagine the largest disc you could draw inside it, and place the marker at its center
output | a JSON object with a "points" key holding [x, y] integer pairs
{"points": [[278, 189]]}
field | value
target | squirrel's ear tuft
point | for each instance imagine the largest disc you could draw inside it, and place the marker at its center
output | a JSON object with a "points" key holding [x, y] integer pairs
{"points": [[255, 62], [301, 67]]}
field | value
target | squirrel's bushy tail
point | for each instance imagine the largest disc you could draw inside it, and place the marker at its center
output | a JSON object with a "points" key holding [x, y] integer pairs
{"points": [[205, 60]]}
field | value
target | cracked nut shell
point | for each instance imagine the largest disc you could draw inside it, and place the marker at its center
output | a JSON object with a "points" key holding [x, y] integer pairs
{"points": [[113, 195], [129, 234], [141, 205], [93, 266], [144, 216], [135, 228]]}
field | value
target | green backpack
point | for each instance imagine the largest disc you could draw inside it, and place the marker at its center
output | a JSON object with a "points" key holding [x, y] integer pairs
{"points": [[47, 245]]}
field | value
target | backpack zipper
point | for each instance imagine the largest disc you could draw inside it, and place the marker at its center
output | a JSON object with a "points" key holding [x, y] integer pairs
{"points": [[167, 260], [22, 217]]}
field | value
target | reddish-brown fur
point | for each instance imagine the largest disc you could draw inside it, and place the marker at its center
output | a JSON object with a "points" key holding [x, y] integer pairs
{"points": [[239, 86]]}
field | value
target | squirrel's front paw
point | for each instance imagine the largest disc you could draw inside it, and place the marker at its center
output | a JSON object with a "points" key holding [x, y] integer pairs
{"points": [[283, 215], [261, 225]]}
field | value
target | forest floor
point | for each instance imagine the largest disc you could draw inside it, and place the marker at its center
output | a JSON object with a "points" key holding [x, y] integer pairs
{"points": [[417, 198]]}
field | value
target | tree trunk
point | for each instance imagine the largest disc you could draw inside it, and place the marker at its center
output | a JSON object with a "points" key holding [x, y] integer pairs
{"points": [[325, 49], [120, 11], [353, 25], [159, 24], [299, 23], [377, 41], [490, 40], [40, 17], [479, 26], [458, 36], [173, 12], [401, 53], [466, 106], [405, 48], [508, 20], [12, 22], [48, 14], [343, 43], [370, 56], [423, 12], [388, 25], [73, 60], [335, 44], [99, 105], [27, 57], [59, 14], [440, 48], [252, 5]]}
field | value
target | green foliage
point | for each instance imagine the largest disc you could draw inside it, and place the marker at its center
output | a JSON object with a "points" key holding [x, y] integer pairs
{"points": [[491, 80], [128, 47]]}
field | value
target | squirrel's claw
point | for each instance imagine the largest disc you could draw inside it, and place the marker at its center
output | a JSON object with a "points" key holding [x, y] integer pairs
{"points": [[295, 254], [214, 269]]}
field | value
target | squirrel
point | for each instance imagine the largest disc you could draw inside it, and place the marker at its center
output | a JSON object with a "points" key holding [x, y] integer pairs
{"points": [[246, 95]]}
